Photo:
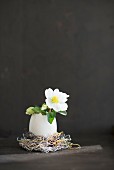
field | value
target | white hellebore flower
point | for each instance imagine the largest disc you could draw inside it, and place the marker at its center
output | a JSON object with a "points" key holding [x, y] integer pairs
{"points": [[56, 100]]}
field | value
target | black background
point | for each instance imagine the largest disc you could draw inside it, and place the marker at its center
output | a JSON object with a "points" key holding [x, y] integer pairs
{"points": [[65, 44]]}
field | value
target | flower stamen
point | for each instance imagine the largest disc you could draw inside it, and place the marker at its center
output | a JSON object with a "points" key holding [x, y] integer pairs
{"points": [[55, 99]]}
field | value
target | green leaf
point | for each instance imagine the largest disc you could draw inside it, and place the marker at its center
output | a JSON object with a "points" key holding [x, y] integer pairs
{"points": [[51, 116], [43, 112], [36, 109], [63, 113], [53, 113]]}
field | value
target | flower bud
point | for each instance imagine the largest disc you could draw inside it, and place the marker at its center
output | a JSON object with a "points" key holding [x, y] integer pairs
{"points": [[30, 111], [44, 107]]}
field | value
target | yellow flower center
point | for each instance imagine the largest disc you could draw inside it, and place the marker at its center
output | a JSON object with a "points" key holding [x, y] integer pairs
{"points": [[55, 99]]}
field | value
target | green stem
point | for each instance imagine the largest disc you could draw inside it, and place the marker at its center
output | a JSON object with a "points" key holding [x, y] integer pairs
{"points": [[49, 110]]}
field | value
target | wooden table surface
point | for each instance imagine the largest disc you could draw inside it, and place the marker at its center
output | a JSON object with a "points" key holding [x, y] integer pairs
{"points": [[97, 153]]}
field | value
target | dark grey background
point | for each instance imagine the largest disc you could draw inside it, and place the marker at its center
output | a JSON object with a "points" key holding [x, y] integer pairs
{"points": [[66, 44]]}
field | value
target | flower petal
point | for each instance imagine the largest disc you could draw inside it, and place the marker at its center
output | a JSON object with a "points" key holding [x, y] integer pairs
{"points": [[56, 92], [49, 103], [56, 107], [63, 97], [64, 94], [48, 93], [63, 106]]}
